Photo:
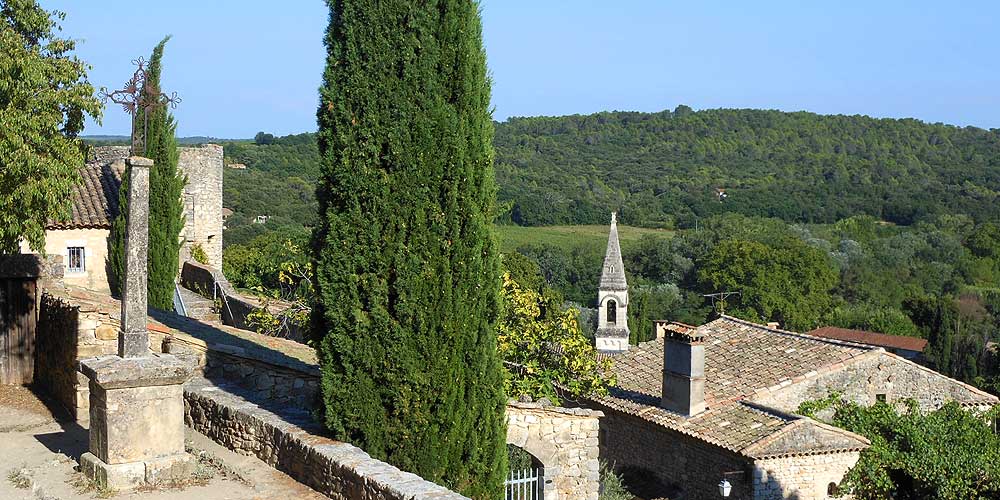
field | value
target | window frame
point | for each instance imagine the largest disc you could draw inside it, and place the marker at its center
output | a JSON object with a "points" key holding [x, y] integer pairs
{"points": [[82, 268]]}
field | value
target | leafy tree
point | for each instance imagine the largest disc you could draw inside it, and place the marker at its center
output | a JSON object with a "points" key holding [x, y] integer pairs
{"points": [[44, 97], [543, 351], [166, 209], [262, 139], [406, 264], [874, 319], [790, 285], [949, 453]]}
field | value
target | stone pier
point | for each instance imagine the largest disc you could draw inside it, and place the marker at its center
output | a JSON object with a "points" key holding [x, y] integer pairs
{"points": [[136, 397]]}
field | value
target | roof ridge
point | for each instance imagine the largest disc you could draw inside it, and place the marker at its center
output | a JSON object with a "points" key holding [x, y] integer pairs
{"points": [[794, 334]]}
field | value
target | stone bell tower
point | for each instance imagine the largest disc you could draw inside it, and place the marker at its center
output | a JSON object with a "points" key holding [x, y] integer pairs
{"points": [[612, 298]]}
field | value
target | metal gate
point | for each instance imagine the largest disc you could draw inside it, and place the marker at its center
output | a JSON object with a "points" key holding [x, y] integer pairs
{"points": [[17, 331], [524, 485]]}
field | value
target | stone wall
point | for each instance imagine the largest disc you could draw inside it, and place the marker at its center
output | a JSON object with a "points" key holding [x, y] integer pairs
{"points": [[290, 443], [55, 351], [800, 477], [565, 441], [70, 329], [202, 201], [656, 462], [287, 385], [879, 373]]}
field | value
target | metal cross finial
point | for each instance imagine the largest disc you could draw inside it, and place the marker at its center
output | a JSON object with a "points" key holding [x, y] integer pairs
{"points": [[140, 94]]}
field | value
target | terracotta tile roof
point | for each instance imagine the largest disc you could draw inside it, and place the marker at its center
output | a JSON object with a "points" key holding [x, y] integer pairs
{"points": [[871, 338], [741, 360], [95, 198]]}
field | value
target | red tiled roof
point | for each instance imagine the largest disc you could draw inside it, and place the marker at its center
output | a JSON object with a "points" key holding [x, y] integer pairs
{"points": [[871, 338], [95, 198]]}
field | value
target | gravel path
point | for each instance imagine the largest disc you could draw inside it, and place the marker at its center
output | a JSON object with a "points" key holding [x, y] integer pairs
{"points": [[38, 461]]}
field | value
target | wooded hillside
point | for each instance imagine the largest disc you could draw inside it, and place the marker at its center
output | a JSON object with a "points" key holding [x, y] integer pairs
{"points": [[662, 169]]}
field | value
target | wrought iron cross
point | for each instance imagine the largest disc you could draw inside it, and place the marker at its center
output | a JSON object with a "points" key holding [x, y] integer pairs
{"points": [[140, 94]]}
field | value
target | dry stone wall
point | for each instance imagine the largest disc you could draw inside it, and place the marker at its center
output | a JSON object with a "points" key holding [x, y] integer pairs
{"points": [[565, 441]]}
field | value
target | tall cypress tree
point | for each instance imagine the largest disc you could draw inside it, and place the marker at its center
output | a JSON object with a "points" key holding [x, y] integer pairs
{"points": [[166, 209], [405, 259]]}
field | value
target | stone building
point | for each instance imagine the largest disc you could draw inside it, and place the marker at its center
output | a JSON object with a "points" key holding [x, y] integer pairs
{"points": [[612, 298], [82, 240], [699, 405]]}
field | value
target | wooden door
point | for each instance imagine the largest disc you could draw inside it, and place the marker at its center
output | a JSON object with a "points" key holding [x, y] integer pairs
{"points": [[17, 331]]}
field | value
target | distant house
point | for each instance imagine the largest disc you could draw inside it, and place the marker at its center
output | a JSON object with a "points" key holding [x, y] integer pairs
{"points": [[261, 219], [237, 166], [911, 348], [703, 407], [82, 240]]}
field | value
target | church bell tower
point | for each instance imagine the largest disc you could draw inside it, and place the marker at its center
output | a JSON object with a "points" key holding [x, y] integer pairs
{"points": [[612, 299]]}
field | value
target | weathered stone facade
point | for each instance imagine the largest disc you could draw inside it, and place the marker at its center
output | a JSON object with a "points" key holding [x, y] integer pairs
{"points": [[565, 441], [878, 374], [652, 459], [202, 201], [807, 477], [94, 241]]}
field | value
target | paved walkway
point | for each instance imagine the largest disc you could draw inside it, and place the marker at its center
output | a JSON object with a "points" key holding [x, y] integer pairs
{"points": [[38, 461]]}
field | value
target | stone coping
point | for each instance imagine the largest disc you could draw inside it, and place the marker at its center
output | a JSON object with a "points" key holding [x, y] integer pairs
{"points": [[288, 441], [113, 372], [578, 412]]}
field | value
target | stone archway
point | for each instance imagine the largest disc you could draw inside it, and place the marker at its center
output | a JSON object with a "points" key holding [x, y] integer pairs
{"points": [[565, 441]]}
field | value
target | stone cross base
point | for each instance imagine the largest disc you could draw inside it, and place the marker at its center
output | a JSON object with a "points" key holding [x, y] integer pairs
{"points": [[137, 420]]}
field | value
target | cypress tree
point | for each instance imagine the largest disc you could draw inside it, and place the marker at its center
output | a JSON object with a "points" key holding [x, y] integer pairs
{"points": [[166, 209], [406, 263]]}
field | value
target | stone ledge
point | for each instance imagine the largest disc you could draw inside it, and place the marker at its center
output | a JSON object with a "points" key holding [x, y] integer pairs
{"points": [[290, 442], [113, 372], [580, 412]]}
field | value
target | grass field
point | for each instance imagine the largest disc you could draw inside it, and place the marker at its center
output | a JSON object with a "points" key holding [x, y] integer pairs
{"points": [[512, 237]]}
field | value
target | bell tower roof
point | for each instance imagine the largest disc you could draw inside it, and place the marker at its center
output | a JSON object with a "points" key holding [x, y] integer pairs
{"points": [[613, 274]]}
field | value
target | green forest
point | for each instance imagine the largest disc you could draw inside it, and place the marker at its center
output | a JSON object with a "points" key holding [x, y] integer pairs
{"points": [[884, 225]]}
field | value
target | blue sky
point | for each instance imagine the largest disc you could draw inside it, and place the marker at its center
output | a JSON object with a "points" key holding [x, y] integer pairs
{"points": [[247, 65]]}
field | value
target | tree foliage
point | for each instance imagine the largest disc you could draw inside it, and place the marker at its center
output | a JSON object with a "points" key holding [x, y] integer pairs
{"points": [[166, 209], [544, 350], [950, 453], [44, 98], [790, 285], [406, 265]]}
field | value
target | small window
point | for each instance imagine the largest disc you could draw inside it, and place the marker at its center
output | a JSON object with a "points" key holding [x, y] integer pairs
{"points": [[612, 312], [77, 260], [880, 398]]}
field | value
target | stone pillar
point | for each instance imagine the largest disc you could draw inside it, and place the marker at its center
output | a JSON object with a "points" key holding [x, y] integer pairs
{"points": [[136, 397], [133, 339]]}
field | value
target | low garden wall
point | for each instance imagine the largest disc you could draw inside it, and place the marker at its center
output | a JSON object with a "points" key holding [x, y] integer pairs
{"points": [[288, 442]]}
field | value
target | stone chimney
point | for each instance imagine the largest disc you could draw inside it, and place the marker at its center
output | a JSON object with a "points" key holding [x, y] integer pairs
{"points": [[683, 373]]}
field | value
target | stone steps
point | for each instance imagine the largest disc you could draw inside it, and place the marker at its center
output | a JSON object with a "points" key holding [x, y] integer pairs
{"points": [[198, 307]]}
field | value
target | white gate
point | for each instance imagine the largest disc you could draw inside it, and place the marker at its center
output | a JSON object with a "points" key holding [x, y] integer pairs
{"points": [[524, 485]]}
